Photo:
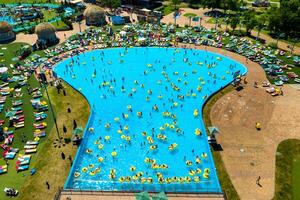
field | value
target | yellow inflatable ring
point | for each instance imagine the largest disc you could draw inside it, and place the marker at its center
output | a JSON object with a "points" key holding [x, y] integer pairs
{"points": [[84, 169], [92, 173], [76, 174]]}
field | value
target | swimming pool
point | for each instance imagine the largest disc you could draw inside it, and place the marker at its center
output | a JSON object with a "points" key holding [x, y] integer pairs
{"points": [[146, 131]]}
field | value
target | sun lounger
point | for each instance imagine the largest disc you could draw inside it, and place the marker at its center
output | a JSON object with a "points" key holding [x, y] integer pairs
{"points": [[14, 150], [8, 132], [17, 103], [4, 85], [10, 155], [265, 84], [28, 151], [30, 147], [23, 162], [22, 168], [270, 90], [19, 112], [41, 125], [3, 169], [278, 83], [21, 156], [32, 143], [19, 125], [40, 116], [40, 134], [16, 109]]}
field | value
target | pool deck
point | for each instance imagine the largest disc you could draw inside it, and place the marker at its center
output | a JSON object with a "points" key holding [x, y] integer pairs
{"points": [[236, 113], [93, 195]]}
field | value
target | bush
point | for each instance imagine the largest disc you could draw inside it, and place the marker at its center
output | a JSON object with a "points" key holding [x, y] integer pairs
{"points": [[68, 23], [194, 6], [273, 45], [30, 30]]}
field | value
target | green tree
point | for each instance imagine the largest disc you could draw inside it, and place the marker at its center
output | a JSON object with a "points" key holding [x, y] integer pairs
{"points": [[111, 4], [234, 21], [249, 21], [175, 3], [274, 19], [231, 5], [290, 17], [286, 18], [211, 4], [261, 24]]}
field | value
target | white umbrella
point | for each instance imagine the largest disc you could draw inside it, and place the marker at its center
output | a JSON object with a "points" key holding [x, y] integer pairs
{"points": [[123, 32], [3, 70]]}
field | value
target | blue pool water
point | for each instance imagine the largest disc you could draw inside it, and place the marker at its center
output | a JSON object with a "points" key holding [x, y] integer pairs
{"points": [[144, 100]]}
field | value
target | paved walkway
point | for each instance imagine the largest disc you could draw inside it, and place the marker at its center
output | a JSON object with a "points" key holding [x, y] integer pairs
{"points": [[62, 35], [131, 196], [200, 12]]}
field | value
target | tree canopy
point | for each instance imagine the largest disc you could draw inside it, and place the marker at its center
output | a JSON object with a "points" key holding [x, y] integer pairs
{"points": [[286, 18], [222, 4], [111, 3]]}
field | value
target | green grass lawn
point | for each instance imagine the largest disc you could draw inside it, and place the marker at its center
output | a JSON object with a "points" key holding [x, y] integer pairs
{"points": [[49, 14], [296, 177], [60, 25], [30, 187], [9, 51], [287, 174], [56, 170], [12, 178]]}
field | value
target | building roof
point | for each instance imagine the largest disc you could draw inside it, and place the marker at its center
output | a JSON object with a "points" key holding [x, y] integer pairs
{"points": [[93, 11], [5, 27], [44, 29]]}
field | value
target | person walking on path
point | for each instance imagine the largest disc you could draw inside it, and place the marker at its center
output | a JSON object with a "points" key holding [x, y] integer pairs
{"points": [[257, 181], [48, 185]]}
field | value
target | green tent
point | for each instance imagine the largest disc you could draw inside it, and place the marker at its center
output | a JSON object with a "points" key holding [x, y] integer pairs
{"points": [[160, 196], [142, 196]]}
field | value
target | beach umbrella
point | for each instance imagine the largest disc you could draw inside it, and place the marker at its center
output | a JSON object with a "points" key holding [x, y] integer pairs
{"points": [[160, 196], [77, 130], [213, 130], [142, 196]]}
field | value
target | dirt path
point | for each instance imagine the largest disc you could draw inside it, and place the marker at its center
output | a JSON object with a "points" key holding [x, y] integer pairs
{"points": [[200, 12], [248, 153]]}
